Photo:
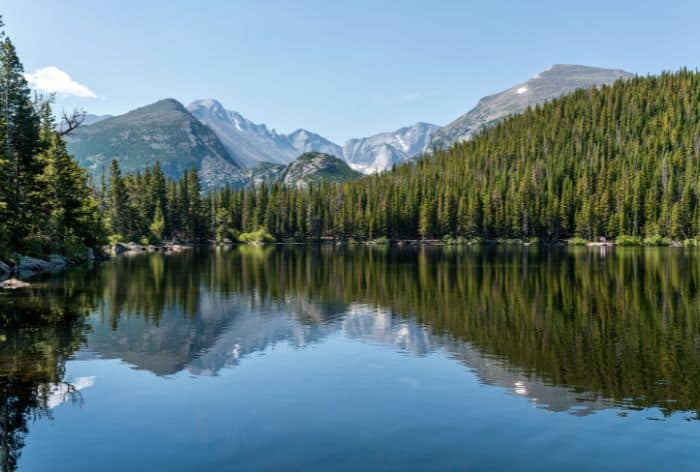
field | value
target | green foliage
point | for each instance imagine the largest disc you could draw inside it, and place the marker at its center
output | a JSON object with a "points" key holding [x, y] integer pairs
{"points": [[626, 240], [74, 246], [382, 240], [576, 241], [455, 241], [115, 238], [46, 202], [656, 240], [258, 236], [158, 224]]}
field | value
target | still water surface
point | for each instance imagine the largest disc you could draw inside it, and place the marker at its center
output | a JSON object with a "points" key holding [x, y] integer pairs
{"points": [[324, 358]]}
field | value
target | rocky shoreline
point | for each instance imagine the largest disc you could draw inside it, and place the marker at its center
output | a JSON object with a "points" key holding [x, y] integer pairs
{"points": [[120, 249], [26, 266]]}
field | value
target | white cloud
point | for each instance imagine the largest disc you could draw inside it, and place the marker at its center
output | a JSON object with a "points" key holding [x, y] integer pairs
{"points": [[53, 80], [58, 393]]}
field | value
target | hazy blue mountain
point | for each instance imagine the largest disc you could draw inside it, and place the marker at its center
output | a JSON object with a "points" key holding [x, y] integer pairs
{"points": [[251, 143], [163, 131], [91, 119], [557, 80]]}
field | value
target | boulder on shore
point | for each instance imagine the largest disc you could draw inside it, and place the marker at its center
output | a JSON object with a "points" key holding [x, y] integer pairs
{"points": [[32, 264], [12, 284], [4, 268], [116, 249]]}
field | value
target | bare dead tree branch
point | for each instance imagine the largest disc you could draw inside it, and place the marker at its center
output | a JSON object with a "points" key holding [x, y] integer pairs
{"points": [[71, 121]]}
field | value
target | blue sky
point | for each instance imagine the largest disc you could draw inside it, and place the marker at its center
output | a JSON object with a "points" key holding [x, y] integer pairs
{"points": [[340, 68]]}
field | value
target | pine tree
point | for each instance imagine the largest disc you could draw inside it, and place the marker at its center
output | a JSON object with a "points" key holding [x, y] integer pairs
{"points": [[21, 142], [118, 212], [158, 225]]}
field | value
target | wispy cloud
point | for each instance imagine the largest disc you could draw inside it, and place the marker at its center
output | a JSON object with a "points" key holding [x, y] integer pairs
{"points": [[403, 98], [53, 80]]}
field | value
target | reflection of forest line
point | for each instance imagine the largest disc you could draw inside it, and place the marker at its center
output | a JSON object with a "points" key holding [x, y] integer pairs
{"points": [[624, 326], [39, 332]]}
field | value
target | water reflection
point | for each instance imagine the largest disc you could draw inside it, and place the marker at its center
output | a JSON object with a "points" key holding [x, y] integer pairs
{"points": [[39, 332], [624, 327], [570, 330]]}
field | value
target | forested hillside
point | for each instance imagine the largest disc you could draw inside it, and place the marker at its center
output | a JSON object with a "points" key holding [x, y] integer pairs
{"points": [[618, 160]]}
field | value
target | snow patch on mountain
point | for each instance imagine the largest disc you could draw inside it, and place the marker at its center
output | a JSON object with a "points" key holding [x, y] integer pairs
{"points": [[384, 150]]}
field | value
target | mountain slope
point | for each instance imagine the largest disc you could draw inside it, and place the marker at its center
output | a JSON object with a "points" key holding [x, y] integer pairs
{"points": [[91, 119], [314, 167], [163, 131], [251, 143], [554, 82], [382, 151]]}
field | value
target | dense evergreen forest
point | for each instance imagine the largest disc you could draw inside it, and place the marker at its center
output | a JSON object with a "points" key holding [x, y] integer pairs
{"points": [[46, 202], [620, 160]]}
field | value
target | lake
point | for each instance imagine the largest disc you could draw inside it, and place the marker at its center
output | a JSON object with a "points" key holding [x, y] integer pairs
{"points": [[347, 358]]}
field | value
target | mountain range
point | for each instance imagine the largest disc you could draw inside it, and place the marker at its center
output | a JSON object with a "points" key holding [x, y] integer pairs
{"points": [[163, 131], [226, 147], [554, 82], [251, 144]]}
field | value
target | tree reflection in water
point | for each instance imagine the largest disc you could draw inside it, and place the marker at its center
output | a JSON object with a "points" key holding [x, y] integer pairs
{"points": [[570, 329]]}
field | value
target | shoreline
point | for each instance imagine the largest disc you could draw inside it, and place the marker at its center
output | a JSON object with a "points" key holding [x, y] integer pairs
{"points": [[28, 267]]}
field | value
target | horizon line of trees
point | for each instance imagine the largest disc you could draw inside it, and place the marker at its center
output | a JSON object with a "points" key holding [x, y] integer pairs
{"points": [[612, 161]]}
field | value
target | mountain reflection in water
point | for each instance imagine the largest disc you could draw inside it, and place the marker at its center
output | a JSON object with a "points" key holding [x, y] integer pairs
{"points": [[570, 330]]}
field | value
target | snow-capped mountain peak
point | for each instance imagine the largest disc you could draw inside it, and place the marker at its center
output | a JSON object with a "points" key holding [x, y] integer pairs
{"points": [[384, 150]]}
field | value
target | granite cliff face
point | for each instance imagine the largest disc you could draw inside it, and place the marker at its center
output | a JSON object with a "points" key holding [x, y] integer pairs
{"points": [[314, 167]]}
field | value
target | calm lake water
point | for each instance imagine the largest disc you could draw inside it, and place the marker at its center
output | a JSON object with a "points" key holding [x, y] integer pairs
{"points": [[325, 358]]}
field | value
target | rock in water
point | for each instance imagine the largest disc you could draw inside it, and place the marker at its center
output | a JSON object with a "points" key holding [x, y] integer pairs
{"points": [[12, 284]]}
